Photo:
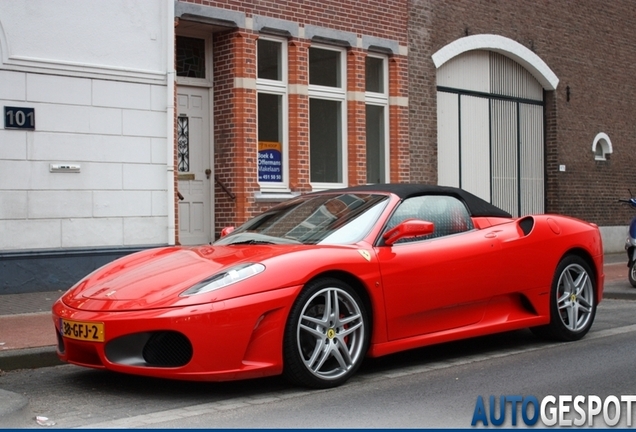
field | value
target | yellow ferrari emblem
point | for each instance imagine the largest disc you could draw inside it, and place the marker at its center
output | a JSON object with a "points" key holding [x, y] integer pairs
{"points": [[365, 254], [331, 333]]}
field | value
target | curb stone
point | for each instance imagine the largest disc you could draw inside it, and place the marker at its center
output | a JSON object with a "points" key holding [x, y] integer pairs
{"points": [[29, 358]]}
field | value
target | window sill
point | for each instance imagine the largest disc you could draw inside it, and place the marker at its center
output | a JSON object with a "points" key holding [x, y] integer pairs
{"points": [[274, 196]]}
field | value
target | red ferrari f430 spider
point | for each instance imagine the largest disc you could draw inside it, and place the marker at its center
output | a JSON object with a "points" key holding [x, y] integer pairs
{"points": [[312, 286]]}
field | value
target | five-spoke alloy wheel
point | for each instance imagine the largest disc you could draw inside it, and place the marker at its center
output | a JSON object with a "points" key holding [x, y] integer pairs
{"points": [[327, 334], [573, 302]]}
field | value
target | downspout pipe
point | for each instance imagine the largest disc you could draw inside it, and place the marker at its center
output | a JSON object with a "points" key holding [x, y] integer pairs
{"points": [[170, 122]]}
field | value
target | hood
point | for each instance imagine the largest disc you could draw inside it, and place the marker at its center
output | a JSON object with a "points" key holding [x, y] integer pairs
{"points": [[155, 278]]}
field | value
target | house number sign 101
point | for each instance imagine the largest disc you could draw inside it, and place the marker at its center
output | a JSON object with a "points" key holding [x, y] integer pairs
{"points": [[19, 118]]}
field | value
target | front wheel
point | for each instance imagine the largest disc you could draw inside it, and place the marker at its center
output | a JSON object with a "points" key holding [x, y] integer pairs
{"points": [[632, 274], [572, 301], [327, 334]]}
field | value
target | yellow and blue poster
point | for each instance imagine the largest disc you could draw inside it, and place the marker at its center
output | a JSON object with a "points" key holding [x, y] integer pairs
{"points": [[270, 161]]}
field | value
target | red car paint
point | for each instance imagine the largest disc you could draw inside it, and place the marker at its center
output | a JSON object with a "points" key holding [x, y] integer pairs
{"points": [[492, 278]]}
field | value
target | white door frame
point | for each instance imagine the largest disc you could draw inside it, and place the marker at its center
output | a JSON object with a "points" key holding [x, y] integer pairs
{"points": [[207, 84]]}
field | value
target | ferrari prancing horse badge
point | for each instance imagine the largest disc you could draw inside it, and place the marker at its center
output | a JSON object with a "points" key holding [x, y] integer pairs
{"points": [[365, 254]]}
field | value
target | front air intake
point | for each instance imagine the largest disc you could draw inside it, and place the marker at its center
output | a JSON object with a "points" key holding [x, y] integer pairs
{"points": [[167, 349]]}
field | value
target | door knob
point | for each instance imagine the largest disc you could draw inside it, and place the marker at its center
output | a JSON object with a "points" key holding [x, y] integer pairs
{"points": [[208, 172]]}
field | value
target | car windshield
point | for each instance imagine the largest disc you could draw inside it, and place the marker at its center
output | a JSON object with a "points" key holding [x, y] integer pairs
{"points": [[312, 219]]}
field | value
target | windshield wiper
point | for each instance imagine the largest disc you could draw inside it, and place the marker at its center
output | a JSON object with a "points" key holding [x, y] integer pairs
{"points": [[251, 242], [254, 239]]}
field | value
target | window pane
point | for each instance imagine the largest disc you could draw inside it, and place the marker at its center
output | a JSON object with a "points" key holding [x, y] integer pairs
{"points": [[190, 57], [449, 215], [374, 75], [269, 117], [269, 60], [270, 140], [325, 141], [324, 67], [375, 144]]}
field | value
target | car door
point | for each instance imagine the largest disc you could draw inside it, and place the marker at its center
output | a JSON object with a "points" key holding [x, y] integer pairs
{"points": [[441, 281]]}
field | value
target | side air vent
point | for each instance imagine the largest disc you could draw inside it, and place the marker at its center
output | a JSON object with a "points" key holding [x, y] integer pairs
{"points": [[526, 224]]}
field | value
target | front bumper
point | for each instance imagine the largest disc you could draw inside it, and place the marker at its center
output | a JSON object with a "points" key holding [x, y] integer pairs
{"points": [[232, 339]]}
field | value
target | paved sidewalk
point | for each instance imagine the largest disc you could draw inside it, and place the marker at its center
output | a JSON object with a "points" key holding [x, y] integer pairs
{"points": [[27, 335]]}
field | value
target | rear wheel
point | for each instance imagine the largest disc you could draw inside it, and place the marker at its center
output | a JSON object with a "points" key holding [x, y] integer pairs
{"points": [[572, 301], [632, 274], [327, 334]]}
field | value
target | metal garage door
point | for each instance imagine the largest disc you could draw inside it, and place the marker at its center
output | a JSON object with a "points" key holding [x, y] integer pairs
{"points": [[490, 131]]}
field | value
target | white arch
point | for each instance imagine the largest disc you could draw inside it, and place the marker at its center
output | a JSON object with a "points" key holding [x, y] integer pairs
{"points": [[514, 50], [606, 145]]}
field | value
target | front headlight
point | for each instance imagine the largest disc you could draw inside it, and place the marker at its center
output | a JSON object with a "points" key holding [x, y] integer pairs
{"points": [[227, 277]]}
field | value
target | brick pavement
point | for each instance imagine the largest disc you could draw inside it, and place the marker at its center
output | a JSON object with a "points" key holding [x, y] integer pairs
{"points": [[11, 304]]}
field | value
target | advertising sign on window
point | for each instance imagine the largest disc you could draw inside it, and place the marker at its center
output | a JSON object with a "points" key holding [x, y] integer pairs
{"points": [[270, 164]]}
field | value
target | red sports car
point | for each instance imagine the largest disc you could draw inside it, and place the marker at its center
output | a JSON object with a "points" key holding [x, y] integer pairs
{"points": [[312, 286]]}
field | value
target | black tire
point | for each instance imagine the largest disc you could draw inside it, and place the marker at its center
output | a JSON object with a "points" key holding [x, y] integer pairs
{"points": [[632, 274], [320, 349], [572, 301]]}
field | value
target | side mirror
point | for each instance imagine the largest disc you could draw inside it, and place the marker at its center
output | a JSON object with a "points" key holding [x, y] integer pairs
{"points": [[225, 231], [407, 229]]}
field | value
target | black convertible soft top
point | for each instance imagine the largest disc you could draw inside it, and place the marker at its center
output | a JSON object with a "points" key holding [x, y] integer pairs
{"points": [[476, 206]]}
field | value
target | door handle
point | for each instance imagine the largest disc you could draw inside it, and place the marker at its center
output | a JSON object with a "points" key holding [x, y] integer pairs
{"points": [[208, 172], [492, 234]]}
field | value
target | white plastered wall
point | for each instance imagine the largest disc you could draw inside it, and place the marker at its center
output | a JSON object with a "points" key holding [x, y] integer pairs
{"points": [[95, 73]]}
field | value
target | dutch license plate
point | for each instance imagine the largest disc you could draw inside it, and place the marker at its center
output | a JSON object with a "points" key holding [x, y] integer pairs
{"points": [[82, 330]]}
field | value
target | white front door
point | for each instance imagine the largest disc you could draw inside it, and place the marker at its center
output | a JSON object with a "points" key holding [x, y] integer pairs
{"points": [[194, 162]]}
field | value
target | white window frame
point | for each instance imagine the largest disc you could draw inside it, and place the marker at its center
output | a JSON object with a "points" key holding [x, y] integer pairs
{"points": [[338, 94], [382, 99], [280, 88]]}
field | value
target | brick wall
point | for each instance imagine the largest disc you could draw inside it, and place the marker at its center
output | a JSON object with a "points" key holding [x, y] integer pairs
{"points": [[399, 125], [386, 19], [298, 55], [356, 118], [590, 46], [235, 130], [235, 108], [175, 160]]}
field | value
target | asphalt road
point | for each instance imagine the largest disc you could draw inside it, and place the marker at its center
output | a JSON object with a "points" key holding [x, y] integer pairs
{"points": [[431, 387]]}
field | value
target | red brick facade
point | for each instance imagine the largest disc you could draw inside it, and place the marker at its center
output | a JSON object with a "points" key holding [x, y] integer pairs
{"points": [[235, 134], [235, 130], [590, 47]]}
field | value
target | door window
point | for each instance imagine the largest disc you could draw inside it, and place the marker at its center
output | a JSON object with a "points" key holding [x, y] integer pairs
{"points": [[190, 57], [449, 215]]}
